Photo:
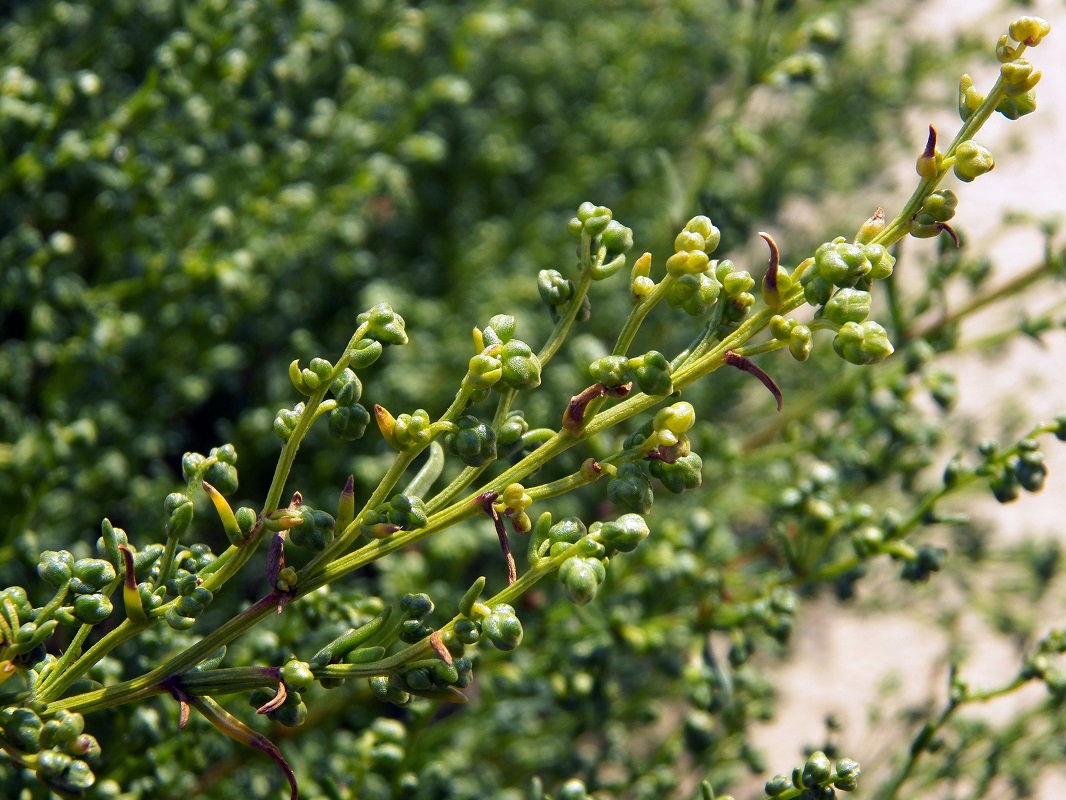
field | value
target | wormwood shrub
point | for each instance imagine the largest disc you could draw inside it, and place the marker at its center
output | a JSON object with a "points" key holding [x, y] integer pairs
{"points": [[569, 467]]}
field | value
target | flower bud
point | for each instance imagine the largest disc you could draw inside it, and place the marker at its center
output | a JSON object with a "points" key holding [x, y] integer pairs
{"points": [[1015, 107], [297, 675], [687, 262], [871, 228], [610, 370], [581, 578], [652, 373], [286, 420], [502, 628], [624, 533], [555, 290], [781, 327], [55, 567], [848, 305], [617, 238], [346, 389], [972, 160], [179, 511], [817, 769], [521, 368], [688, 240], [348, 423], [383, 689], [92, 609], [800, 342], [684, 474], [315, 530], [383, 325], [364, 353], [631, 488], [473, 441], [695, 294], [816, 290], [1029, 31], [840, 263], [865, 343]]}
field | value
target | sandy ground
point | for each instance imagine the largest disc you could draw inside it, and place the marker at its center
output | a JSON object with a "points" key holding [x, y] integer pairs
{"points": [[843, 656]]}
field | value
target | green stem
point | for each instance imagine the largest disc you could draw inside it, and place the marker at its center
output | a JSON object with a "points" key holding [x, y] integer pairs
{"points": [[639, 313], [900, 225]]}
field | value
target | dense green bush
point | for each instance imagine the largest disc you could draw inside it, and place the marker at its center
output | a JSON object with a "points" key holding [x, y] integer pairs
{"points": [[196, 195]]}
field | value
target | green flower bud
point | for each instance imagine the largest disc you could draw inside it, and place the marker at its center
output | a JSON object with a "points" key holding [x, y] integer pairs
{"points": [[652, 373], [92, 609], [62, 729], [286, 420], [800, 342], [316, 373], [711, 235], [192, 603], [23, 729], [406, 512], [383, 689], [684, 474], [848, 305], [677, 418], [416, 606], [384, 325], [411, 430], [594, 219], [847, 775], [687, 262], [484, 371], [177, 621], [617, 238], [625, 533], [816, 290], [781, 327], [1016, 107], [474, 442], [581, 577], [499, 330], [881, 261], [817, 769], [55, 567], [297, 675], [1030, 471], [364, 353], [91, 575], [554, 289], [191, 464], [778, 785], [15, 597], [521, 368], [631, 488], [502, 628], [223, 474], [179, 511], [695, 294], [513, 428], [610, 371], [347, 388], [1004, 485], [315, 531], [573, 789], [840, 263], [872, 228], [689, 240], [738, 282], [865, 343], [348, 423], [972, 160]]}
